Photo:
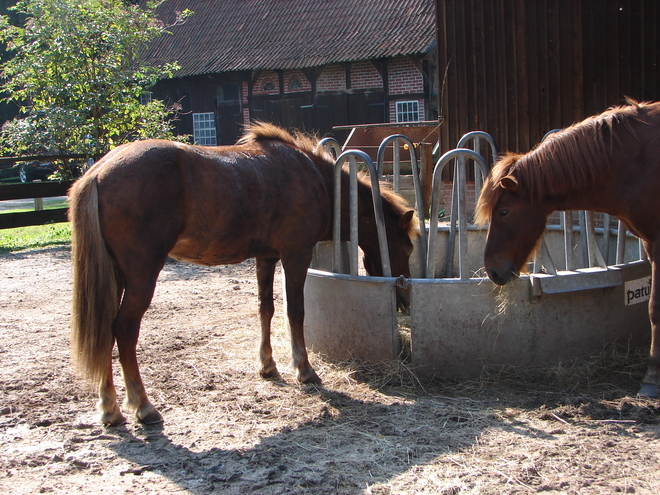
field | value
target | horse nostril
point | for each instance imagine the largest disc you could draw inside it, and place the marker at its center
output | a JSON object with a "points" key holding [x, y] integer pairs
{"points": [[496, 278]]}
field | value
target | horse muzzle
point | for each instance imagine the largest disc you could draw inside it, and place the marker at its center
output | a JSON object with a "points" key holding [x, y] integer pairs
{"points": [[502, 277], [403, 298]]}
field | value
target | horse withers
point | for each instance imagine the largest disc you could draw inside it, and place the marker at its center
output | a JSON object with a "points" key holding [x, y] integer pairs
{"points": [[608, 163], [269, 197]]}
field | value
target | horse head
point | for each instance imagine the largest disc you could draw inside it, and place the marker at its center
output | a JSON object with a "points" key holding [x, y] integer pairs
{"points": [[515, 226], [400, 229]]}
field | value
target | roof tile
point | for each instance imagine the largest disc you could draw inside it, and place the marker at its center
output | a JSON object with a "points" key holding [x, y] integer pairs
{"points": [[236, 35]]}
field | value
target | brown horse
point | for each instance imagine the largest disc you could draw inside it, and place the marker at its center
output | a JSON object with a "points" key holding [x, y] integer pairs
{"points": [[608, 163], [269, 197]]}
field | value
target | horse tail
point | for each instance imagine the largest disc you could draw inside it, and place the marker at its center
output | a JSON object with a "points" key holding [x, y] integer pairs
{"points": [[96, 288]]}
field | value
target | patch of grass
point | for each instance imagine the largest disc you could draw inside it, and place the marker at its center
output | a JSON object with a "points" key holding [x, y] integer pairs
{"points": [[34, 237]]}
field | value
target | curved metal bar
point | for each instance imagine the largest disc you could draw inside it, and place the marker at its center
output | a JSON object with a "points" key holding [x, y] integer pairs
{"points": [[331, 145], [396, 159], [475, 137], [417, 184], [567, 220], [620, 242], [466, 154], [550, 132], [352, 155]]}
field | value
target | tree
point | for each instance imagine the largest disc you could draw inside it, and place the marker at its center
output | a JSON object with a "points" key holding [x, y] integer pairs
{"points": [[76, 76]]}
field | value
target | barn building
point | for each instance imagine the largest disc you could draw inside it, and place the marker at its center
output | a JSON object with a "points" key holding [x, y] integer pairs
{"points": [[514, 69], [309, 64]]}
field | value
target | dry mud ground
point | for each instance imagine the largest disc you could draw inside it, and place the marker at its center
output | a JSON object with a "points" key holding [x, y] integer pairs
{"points": [[573, 428]]}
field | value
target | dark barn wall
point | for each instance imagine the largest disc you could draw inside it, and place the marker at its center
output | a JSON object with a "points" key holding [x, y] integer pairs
{"points": [[295, 111], [361, 92], [200, 94], [519, 68], [299, 111]]}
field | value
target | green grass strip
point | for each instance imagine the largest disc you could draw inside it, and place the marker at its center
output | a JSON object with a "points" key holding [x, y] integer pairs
{"points": [[36, 236]]}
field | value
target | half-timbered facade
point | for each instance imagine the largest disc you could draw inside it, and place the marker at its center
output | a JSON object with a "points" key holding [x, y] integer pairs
{"points": [[309, 64]]}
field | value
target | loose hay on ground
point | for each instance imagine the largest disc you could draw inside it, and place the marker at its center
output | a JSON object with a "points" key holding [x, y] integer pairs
{"points": [[572, 428]]}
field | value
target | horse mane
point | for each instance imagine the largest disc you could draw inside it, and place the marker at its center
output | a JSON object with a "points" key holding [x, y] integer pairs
{"points": [[264, 131], [568, 160]]}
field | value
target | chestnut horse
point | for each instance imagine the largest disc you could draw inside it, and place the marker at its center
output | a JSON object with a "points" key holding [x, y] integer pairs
{"points": [[608, 163], [268, 197]]}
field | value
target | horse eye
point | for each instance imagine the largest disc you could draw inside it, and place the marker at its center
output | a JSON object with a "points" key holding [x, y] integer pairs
{"points": [[503, 212]]}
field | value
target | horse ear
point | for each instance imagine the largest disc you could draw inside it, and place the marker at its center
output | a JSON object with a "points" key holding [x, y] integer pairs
{"points": [[405, 219], [509, 182]]}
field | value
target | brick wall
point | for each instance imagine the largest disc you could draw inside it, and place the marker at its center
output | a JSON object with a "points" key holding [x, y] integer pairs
{"points": [[365, 76], [404, 78], [268, 78], [268, 83], [333, 78], [296, 82], [470, 203]]}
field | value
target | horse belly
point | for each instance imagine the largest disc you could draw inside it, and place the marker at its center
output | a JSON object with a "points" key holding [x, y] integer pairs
{"points": [[215, 253]]}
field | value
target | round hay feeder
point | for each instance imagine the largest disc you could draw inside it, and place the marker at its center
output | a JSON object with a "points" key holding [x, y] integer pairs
{"points": [[596, 295]]}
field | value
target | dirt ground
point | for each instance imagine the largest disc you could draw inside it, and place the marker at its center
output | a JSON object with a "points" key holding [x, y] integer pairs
{"points": [[572, 428]]}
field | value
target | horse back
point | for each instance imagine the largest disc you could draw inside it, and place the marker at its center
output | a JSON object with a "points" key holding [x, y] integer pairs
{"points": [[212, 205]]}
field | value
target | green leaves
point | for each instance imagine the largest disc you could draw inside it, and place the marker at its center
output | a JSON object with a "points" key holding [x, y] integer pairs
{"points": [[77, 77]]}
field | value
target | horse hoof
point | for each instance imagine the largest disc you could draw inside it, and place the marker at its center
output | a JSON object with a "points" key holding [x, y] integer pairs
{"points": [[151, 418], [113, 419], [312, 378], [272, 374], [649, 390]]}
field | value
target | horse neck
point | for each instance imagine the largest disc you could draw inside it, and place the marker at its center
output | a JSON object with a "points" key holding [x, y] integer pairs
{"points": [[598, 192], [592, 199], [366, 218], [367, 221]]}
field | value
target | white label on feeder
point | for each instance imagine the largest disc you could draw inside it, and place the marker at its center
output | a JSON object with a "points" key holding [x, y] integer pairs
{"points": [[637, 291]]}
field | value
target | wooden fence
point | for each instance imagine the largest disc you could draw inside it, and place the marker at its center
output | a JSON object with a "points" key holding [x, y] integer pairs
{"points": [[34, 190], [45, 189]]}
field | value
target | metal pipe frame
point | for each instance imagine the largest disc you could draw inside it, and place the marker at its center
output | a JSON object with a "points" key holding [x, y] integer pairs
{"points": [[463, 154], [396, 140], [331, 145], [475, 137], [352, 156]]}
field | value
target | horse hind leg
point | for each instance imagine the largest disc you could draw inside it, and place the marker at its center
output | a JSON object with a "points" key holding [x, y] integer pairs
{"points": [[126, 328], [107, 405], [265, 277]]}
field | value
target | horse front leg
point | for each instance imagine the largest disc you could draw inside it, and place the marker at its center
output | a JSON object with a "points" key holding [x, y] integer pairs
{"points": [[265, 277], [651, 382], [295, 269], [126, 329]]}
